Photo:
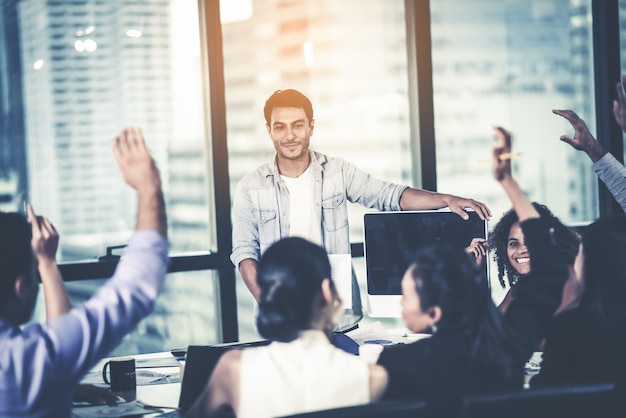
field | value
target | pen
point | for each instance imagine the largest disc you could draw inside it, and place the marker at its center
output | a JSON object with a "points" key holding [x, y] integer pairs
{"points": [[508, 155]]}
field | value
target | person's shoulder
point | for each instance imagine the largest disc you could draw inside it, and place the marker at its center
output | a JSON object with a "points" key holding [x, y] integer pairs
{"points": [[257, 177], [398, 352], [573, 322], [324, 159], [229, 361]]}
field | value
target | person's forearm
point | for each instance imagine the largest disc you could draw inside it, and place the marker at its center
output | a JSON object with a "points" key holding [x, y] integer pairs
{"points": [[55, 294], [248, 270], [595, 151], [522, 205], [419, 199], [613, 175], [151, 210]]}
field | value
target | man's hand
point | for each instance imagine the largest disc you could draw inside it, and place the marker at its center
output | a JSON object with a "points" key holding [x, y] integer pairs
{"points": [[95, 395], [501, 166], [134, 160], [45, 240], [459, 204], [582, 139], [141, 173], [619, 105]]}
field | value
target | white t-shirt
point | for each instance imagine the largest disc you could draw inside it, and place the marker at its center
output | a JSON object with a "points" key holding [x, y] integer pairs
{"points": [[302, 220], [307, 374]]}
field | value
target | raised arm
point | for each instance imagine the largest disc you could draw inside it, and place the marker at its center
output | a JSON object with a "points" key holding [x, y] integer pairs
{"points": [[605, 165], [582, 139], [45, 241], [94, 328], [538, 295], [502, 174], [140, 172]]}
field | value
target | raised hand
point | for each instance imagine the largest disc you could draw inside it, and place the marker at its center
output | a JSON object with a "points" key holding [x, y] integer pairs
{"points": [[45, 242], [45, 238], [141, 173], [619, 105], [134, 160], [582, 139], [501, 167]]}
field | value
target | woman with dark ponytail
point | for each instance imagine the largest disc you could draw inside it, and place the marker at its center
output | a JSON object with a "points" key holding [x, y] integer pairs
{"points": [[474, 348], [300, 370]]}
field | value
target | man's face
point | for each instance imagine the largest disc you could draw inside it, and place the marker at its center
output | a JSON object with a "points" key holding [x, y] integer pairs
{"points": [[290, 131]]}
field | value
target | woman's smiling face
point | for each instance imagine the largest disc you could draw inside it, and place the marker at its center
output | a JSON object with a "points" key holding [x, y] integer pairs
{"points": [[516, 250]]}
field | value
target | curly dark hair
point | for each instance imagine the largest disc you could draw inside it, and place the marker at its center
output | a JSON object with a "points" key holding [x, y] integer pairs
{"points": [[567, 239]]}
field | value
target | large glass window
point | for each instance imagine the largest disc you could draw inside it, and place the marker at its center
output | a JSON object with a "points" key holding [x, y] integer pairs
{"points": [[349, 58], [510, 63], [71, 75]]}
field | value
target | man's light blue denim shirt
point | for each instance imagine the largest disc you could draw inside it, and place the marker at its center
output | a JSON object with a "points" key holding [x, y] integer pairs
{"points": [[261, 207]]}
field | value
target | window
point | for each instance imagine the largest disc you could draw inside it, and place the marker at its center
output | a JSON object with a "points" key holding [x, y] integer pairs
{"points": [[345, 56], [509, 64], [71, 79]]}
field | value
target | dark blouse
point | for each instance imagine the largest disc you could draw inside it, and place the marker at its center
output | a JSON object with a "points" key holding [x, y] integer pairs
{"points": [[581, 348], [440, 367]]}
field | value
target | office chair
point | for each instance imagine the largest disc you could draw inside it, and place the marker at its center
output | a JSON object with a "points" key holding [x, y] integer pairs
{"points": [[383, 409], [571, 401]]}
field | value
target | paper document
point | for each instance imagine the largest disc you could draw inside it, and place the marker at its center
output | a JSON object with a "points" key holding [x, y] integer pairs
{"points": [[119, 410], [341, 270], [370, 332]]}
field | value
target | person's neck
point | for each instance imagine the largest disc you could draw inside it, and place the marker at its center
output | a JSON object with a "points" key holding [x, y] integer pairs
{"points": [[292, 168]]}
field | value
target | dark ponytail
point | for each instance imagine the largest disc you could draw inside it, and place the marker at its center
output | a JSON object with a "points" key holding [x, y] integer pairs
{"points": [[290, 275]]}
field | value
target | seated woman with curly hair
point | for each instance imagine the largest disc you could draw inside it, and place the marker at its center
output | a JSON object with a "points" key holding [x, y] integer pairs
{"points": [[513, 259]]}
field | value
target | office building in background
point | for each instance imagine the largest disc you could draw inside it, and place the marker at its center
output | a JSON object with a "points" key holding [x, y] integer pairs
{"points": [[73, 73]]}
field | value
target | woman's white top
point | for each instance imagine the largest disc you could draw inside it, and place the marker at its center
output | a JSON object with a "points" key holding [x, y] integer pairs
{"points": [[303, 375]]}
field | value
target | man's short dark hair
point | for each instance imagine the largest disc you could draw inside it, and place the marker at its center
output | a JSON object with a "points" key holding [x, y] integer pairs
{"points": [[16, 254], [287, 98]]}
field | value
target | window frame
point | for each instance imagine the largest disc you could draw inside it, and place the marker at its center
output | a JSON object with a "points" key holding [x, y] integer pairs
{"points": [[606, 56]]}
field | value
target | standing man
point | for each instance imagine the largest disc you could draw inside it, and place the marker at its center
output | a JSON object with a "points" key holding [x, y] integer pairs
{"points": [[41, 364], [304, 193]]}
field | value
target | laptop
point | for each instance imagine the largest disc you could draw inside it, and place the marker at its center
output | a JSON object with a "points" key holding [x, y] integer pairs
{"points": [[199, 364]]}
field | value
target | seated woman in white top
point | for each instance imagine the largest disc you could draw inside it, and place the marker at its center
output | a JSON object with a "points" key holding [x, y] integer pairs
{"points": [[300, 370]]}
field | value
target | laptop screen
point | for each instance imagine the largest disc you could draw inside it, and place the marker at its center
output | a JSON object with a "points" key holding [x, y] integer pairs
{"points": [[391, 237], [199, 364]]}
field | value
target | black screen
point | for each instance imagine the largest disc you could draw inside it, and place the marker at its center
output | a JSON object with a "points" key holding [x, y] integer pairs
{"points": [[391, 237]]}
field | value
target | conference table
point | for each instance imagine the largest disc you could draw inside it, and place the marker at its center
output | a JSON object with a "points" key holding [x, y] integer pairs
{"points": [[158, 388], [158, 378]]}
